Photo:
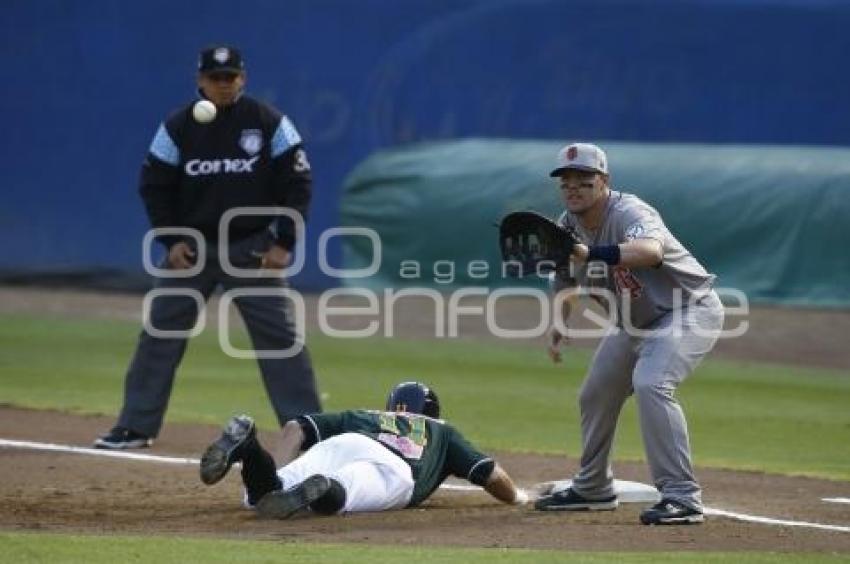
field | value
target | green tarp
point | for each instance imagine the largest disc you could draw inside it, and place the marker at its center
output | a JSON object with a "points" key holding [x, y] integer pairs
{"points": [[771, 221]]}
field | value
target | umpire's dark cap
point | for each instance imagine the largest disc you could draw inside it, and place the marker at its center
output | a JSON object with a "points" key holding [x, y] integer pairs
{"points": [[220, 58]]}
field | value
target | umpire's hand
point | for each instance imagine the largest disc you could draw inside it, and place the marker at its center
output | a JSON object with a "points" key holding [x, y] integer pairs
{"points": [[181, 256], [275, 258]]}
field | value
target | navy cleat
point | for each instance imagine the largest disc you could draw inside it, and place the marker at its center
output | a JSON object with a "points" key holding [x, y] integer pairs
{"points": [[669, 512], [120, 438], [569, 500]]}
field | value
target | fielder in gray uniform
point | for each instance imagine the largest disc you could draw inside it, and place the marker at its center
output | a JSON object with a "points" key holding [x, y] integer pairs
{"points": [[193, 174], [667, 318]]}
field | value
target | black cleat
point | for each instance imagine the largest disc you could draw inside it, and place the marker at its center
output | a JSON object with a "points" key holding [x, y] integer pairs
{"points": [[120, 438], [282, 504], [669, 512], [220, 455], [568, 500]]}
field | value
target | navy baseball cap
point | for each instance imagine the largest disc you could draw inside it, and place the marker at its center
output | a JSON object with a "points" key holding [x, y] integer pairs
{"points": [[414, 397], [220, 58]]}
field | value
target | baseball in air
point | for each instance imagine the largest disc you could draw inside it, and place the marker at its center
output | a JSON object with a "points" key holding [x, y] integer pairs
{"points": [[203, 111]]}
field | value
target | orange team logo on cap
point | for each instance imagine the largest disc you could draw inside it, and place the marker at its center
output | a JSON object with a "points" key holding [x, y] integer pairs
{"points": [[572, 153]]}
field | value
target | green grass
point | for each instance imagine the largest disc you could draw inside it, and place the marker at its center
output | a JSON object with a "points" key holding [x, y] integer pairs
{"points": [[781, 419], [27, 548]]}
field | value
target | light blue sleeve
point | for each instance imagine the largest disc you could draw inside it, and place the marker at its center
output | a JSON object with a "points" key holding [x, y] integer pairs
{"points": [[164, 148], [285, 136]]}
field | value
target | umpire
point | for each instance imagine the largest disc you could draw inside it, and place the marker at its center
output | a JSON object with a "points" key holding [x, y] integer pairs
{"points": [[249, 155]]}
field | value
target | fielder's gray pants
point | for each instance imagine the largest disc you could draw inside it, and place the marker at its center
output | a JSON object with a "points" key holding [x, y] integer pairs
{"points": [[289, 382], [651, 367]]}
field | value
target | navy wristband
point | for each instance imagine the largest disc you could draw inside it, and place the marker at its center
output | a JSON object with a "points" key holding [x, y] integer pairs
{"points": [[609, 254]]}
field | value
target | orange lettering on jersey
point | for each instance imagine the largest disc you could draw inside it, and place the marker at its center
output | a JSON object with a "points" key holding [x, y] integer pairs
{"points": [[627, 282]]}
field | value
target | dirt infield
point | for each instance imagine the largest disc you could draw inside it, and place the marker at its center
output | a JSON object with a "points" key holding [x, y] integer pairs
{"points": [[45, 491], [54, 492]]}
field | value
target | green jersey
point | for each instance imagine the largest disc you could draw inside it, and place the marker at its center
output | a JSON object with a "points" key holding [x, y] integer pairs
{"points": [[432, 448]]}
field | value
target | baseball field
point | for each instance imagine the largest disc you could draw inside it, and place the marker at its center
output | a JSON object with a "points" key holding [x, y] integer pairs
{"points": [[768, 418]]}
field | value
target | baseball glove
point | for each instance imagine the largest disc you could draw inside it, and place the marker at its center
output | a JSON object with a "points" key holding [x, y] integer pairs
{"points": [[531, 243]]}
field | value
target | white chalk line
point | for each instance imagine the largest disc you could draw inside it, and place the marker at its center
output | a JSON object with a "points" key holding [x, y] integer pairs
{"points": [[97, 452], [771, 521], [456, 487], [836, 499]]}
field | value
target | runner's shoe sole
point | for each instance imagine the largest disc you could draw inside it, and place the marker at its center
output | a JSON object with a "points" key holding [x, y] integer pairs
{"points": [[220, 455], [282, 504]]}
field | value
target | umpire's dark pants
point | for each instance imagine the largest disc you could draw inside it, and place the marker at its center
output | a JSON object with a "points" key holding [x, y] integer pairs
{"points": [[289, 382]]}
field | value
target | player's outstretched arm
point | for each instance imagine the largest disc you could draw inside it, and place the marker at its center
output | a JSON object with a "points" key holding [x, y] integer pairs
{"points": [[638, 253], [500, 486], [641, 253]]}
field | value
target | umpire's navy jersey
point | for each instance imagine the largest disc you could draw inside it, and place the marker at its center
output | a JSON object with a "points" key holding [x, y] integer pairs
{"points": [[249, 155]]}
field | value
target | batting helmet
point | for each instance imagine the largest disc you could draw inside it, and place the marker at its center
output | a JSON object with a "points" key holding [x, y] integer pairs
{"points": [[414, 397]]}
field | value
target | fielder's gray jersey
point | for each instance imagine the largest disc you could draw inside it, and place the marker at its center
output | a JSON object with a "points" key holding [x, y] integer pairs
{"points": [[650, 291]]}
